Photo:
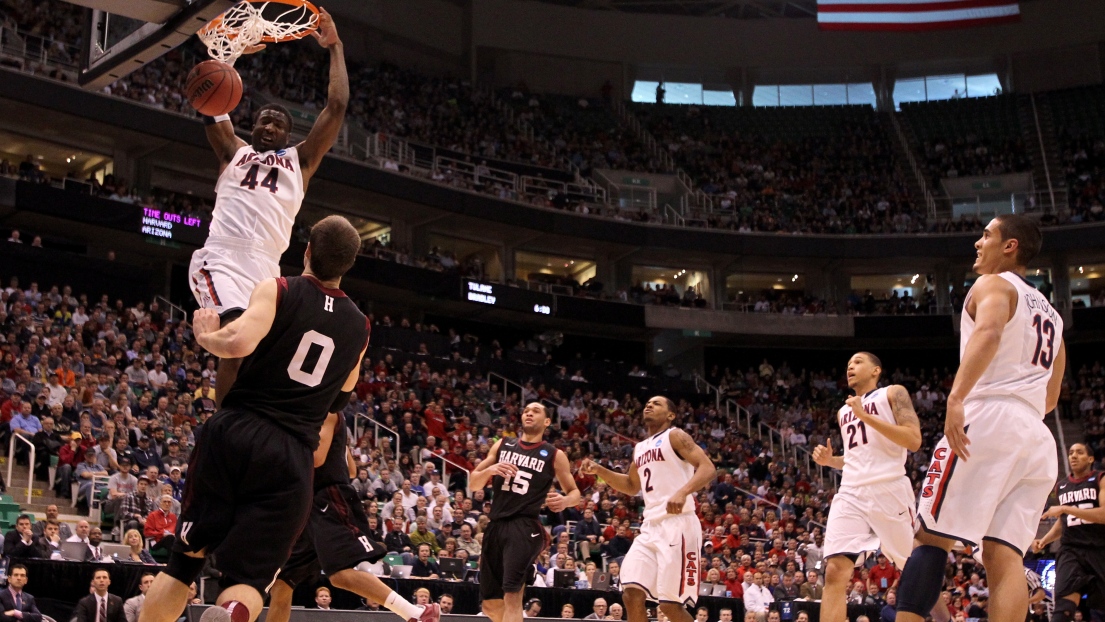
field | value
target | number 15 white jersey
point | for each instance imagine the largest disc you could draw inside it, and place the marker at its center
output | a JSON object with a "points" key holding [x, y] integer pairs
{"points": [[1030, 342], [662, 472]]}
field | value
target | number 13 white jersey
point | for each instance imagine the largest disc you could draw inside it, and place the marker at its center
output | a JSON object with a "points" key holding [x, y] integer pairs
{"points": [[1029, 344], [662, 472], [870, 457]]}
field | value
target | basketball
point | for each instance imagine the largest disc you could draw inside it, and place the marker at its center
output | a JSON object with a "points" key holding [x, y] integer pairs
{"points": [[213, 88]]}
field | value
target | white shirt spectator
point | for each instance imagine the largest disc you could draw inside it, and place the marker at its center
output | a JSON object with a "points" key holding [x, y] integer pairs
{"points": [[757, 598]]}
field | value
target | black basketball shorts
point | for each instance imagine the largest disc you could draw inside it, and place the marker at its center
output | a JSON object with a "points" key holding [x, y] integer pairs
{"points": [[335, 538], [1079, 570], [510, 548], [247, 497]]}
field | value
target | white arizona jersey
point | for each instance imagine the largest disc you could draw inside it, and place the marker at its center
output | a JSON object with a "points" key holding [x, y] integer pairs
{"points": [[257, 198], [662, 472], [870, 457], [1030, 342]]}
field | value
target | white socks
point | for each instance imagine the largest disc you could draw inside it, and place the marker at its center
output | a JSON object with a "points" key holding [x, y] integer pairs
{"points": [[403, 608]]}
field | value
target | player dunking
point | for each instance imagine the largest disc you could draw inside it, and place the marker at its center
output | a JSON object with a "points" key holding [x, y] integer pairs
{"points": [[336, 538], [1080, 564], [663, 561], [992, 472], [521, 471], [258, 194], [249, 480]]}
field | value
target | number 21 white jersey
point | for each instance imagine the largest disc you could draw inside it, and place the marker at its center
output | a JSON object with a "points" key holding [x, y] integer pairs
{"points": [[662, 472], [1030, 342], [870, 457]]}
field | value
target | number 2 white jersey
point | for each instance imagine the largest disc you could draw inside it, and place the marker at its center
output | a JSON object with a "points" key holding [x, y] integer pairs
{"points": [[870, 457], [1029, 344], [257, 198], [662, 472]]}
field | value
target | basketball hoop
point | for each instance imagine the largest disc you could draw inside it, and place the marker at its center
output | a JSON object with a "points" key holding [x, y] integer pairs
{"points": [[251, 22]]}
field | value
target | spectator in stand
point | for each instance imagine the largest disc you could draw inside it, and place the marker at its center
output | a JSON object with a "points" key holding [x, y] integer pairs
{"points": [[598, 610], [884, 575], [890, 609], [19, 543], [323, 598], [757, 598], [52, 514], [48, 443], [14, 602], [84, 474], [812, 588], [133, 606], [137, 553], [136, 507], [49, 543], [424, 567], [25, 424], [161, 525]]}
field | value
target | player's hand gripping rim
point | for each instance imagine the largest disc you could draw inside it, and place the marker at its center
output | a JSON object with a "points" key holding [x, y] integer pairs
{"points": [[954, 429]]}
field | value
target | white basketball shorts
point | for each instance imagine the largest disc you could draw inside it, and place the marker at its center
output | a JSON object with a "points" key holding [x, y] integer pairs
{"points": [[863, 519], [223, 278], [999, 493], [664, 559]]}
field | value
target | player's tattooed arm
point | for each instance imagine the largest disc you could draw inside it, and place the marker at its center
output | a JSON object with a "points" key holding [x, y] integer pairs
{"points": [[906, 432], [704, 469], [490, 467]]}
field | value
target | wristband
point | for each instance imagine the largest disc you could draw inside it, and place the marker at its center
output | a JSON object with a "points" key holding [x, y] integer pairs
{"points": [[213, 120]]}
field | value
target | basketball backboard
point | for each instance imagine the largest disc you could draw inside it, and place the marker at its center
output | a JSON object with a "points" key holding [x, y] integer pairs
{"points": [[120, 36]]}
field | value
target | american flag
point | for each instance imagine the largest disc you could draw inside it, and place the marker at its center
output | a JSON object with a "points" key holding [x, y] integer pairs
{"points": [[914, 14]]}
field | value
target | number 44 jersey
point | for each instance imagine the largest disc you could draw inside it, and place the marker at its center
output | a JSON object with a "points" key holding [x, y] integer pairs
{"points": [[870, 457], [297, 370]]}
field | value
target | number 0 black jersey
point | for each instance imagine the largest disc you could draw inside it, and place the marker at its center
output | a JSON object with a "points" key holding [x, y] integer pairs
{"points": [[298, 369], [523, 494], [1081, 493]]}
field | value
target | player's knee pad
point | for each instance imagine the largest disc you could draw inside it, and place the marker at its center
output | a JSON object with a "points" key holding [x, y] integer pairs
{"points": [[184, 568], [1063, 611], [922, 578]]}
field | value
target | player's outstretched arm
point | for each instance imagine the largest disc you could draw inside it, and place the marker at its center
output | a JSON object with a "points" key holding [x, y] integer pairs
{"points": [[1055, 383], [238, 339], [223, 140], [906, 432], [625, 483], [490, 467], [559, 502], [328, 126], [704, 469], [994, 301]]}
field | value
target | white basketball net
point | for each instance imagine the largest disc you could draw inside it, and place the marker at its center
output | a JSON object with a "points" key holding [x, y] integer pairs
{"points": [[243, 25]]}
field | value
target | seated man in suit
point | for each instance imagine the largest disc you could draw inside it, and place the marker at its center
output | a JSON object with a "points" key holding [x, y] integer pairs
{"points": [[99, 606], [16, 604], [133, 606], [19, 542], [39, 528], [49, 543]]}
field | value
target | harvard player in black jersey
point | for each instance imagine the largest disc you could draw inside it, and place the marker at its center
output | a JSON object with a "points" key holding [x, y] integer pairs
{"points": [[336, 539], [521, 471], [249, 479], [1080, 565]]}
